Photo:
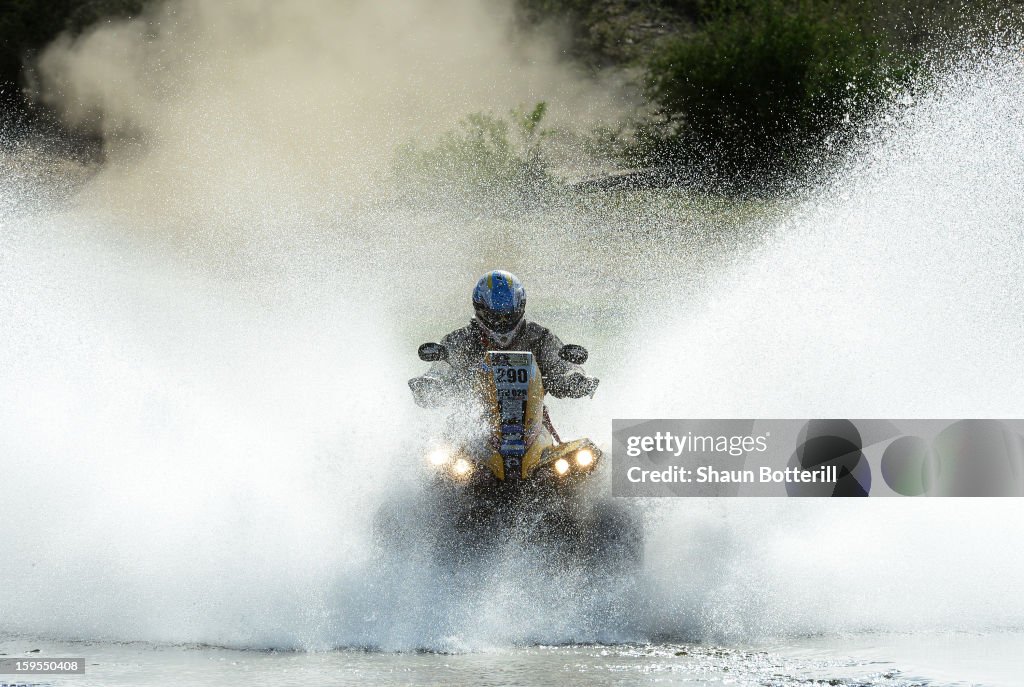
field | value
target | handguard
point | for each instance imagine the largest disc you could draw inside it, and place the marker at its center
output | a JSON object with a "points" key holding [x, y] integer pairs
{"points": [[573, 385], [427, 392]]}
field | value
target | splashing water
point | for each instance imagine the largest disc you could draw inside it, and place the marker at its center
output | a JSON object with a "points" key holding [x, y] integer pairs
{"points": [[891, 292], [202, 396]]}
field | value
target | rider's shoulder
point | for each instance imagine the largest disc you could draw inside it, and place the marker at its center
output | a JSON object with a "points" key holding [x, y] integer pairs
{"points": [[535, 328], [461, 335], [532, 331]]}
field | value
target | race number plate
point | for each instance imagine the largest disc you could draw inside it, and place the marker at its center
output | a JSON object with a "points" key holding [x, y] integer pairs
{"points": [[513, 372]]}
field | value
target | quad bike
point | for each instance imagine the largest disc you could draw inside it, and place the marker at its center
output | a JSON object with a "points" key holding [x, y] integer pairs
{"points": [[499, 472]]}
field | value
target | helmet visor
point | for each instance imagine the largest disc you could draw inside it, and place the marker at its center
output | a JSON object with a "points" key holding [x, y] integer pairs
{"points": [[501, 321]]}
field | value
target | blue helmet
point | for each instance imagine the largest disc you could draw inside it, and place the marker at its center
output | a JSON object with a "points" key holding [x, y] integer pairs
{"points": [[499, 300]]}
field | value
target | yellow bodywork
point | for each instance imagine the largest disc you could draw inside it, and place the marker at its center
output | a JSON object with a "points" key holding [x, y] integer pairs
{"points": [[519, 404], [541, 449]]}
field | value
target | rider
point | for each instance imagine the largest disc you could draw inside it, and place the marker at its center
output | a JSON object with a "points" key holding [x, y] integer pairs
{"points": [[499, 300]]}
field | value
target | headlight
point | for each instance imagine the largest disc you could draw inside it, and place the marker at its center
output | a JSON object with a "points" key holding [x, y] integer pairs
{"points": [[439, 456], [584, 457], [561, 466], [462, 467]]}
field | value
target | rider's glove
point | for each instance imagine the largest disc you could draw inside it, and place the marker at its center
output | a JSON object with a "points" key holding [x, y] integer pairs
{"points": [[573, 385]]}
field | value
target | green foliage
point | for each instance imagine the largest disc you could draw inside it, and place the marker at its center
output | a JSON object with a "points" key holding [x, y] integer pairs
{"points": [[764, 83], [603, 33], [748, 90], [484, 153]]}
